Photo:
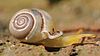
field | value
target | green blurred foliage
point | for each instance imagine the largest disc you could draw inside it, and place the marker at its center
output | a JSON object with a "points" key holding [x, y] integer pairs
{"points": [[54, 1]]}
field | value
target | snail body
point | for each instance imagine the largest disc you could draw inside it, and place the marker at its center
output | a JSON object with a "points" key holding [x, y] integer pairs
{"points": [[67, 40], [36, 26], [33, 25]]}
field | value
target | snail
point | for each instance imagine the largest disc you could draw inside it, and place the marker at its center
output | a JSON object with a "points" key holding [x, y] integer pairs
{"points": [[36, 26], [33, 25]]}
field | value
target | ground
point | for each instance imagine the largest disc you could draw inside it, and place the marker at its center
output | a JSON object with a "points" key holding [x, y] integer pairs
{"points": [[9, 46]]}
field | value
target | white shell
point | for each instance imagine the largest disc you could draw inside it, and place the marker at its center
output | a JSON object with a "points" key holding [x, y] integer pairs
{"points": [[33, 26]]}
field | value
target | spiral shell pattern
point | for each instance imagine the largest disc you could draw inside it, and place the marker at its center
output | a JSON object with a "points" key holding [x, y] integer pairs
{"points": [[21, 23]]}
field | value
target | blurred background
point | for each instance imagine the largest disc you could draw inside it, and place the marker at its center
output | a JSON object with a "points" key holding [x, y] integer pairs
{"points": [[67, 14]]}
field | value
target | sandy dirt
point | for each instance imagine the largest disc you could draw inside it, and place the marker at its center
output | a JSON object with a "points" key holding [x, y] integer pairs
{"points": [[9, 46]]}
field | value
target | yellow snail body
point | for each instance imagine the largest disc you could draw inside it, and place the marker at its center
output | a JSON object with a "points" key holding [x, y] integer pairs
{"points": [[36, 26], [33, 26]]}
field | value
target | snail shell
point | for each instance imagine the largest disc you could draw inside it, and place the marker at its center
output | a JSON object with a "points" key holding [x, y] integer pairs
{"points": [[33, 25]]}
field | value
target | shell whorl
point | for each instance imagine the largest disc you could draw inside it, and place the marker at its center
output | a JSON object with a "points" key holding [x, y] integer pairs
{"points": [[21, 23]]}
